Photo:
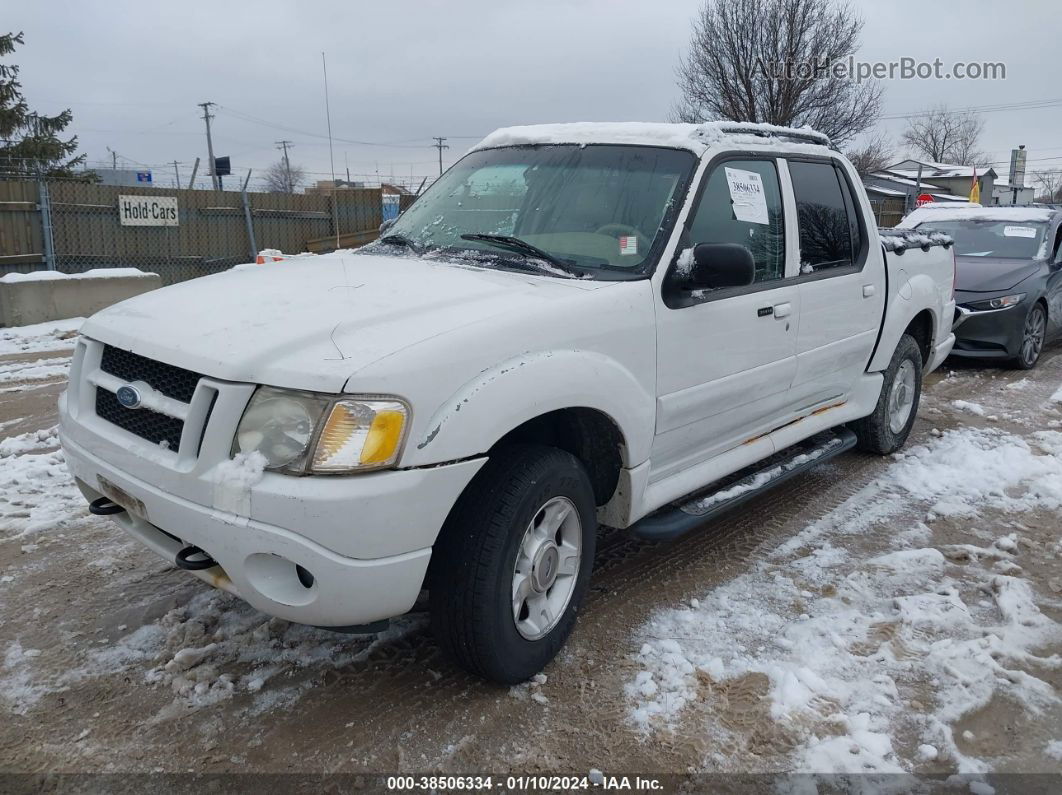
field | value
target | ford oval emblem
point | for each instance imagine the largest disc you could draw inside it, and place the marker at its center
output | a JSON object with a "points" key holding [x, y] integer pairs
{"points": [[128, 396]]}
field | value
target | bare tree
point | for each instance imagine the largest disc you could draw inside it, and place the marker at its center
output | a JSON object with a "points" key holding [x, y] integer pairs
{"points": [[875, 154], [1049, 187], [946, 136], [777, 61], [281, 179]]}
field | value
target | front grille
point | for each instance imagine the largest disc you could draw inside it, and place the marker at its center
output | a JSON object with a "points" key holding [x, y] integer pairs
{"points": [[146, 424], [174, 382]]}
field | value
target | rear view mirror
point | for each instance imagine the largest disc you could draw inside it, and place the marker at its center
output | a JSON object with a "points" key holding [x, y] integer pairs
{"points": [[718, 265]]}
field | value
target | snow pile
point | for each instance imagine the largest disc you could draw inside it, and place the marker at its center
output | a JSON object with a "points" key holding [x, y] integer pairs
{"points": [[684, 263], [55, 335], [95, 273], [234, 479], [37, 370], [867, 664], [214, 648], [36, 490], [31, 441]]}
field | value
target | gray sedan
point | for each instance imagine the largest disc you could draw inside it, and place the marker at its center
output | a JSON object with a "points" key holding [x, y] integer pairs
{"points": [[1008, 281]]}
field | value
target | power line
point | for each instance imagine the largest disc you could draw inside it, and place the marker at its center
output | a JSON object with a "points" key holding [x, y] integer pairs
{"points": [[1033, 104], [287, 164], [440, 146], [207, 116]]}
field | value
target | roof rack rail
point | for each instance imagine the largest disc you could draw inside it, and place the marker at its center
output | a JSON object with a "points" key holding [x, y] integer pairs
{"points": [[772, 131]]}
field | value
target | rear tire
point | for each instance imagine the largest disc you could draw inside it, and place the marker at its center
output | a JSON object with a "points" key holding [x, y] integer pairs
{"points": [[1032, 340], [511, 566], [886, 430]]}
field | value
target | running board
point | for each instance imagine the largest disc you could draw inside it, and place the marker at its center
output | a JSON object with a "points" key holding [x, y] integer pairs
{"points": [[721, 496]]}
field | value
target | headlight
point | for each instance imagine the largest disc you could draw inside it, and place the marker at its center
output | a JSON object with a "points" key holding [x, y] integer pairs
{"points": [[301, 432], [1002, 302]]}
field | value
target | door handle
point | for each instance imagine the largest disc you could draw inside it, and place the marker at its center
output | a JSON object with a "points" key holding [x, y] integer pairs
{"points": [[868, 290], [783, 310]]}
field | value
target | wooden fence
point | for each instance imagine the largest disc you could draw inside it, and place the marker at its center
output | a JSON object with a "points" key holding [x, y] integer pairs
{"points": [[215, 230], [888, 212]]}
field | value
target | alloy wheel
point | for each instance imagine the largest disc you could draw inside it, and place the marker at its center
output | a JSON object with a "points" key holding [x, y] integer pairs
{"points": [[547, 568]]}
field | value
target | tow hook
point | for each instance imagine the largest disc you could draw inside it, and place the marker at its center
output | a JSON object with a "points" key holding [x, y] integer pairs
{"points": [[192, 558], [105, 507]]}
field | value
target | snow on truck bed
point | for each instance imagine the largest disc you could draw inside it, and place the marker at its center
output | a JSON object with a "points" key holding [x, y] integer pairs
{"points": [[899, 239]]}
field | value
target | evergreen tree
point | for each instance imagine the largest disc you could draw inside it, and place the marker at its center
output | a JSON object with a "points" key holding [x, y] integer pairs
{"points": [[29, 142]]}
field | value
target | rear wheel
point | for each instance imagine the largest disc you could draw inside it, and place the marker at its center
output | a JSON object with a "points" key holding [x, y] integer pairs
{"points": [[1032, 340], [886, 430], [511, 567]]}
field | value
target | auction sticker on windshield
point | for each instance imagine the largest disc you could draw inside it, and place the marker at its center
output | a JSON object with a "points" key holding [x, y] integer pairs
{"points": [[1019, 231], [746, 191]]}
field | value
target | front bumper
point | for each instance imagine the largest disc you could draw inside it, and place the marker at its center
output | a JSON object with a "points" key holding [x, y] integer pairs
{"points": [[366, 539], [257, 560], [990, 334]]}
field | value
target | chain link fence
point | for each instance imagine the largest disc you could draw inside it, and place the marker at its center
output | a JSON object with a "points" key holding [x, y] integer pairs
{"points": [[73, 227]]}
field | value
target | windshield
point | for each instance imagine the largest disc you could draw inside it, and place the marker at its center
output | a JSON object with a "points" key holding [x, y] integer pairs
{"points": [[1007, 239], [600, 209]]}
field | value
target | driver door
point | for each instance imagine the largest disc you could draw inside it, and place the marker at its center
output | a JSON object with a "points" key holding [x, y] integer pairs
{"points": [[726, 358]]}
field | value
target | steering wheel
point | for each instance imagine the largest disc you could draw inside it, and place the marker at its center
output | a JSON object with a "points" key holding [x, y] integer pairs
{"points": [[619, 230]]}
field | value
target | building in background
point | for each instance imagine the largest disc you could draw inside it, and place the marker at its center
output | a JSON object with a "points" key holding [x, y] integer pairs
{"points": [[326, 187], [125, 177], [953, 180], [1005, 193]]}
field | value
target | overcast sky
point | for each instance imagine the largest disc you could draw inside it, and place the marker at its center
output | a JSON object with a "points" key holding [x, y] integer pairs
{"points": [[400, 73]]}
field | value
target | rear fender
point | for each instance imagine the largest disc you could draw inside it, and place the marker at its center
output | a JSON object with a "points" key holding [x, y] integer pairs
{"points": [[914, 294]]}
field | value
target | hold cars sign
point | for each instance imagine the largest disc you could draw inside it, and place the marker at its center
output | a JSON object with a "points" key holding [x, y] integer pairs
{"points": [[147, 210]]}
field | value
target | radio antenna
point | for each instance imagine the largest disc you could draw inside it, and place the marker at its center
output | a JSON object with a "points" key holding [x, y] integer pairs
{"points": [[331, 155]]}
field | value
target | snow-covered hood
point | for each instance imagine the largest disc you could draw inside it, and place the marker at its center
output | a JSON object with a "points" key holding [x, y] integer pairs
{"points": [[311, 323], [991, 274]]}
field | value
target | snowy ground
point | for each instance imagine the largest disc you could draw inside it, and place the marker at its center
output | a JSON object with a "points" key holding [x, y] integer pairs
{"points": [[870, 617]]}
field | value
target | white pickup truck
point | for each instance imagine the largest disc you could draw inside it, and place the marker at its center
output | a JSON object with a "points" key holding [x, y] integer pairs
{"points": [[637, 325]]}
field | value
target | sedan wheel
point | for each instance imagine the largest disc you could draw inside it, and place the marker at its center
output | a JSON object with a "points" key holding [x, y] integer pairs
{"points": [[1032, 341]]}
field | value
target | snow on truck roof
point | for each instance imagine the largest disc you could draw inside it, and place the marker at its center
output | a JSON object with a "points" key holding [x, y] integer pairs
{"points": [[695, 137], [945, 213]]}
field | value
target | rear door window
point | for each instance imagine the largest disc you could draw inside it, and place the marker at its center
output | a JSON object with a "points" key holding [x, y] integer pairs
{"points": [[826, 217]]}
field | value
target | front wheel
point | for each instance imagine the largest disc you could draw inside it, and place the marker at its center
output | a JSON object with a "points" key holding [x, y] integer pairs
{"points": [[1032, 340], [886, 430], [511, 566]]}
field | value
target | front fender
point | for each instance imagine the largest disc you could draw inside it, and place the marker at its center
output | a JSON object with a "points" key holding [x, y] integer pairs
{"points": [[505, 396]]}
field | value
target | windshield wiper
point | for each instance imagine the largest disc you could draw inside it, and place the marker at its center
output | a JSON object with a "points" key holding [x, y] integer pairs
{"points": [[400, 240], [523, 247]]}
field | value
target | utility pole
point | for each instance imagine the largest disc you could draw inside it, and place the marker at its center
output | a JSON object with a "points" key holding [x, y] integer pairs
{"points": [[114, 159], [440, 146], [287, 164], [176, 175], [207, 116]]}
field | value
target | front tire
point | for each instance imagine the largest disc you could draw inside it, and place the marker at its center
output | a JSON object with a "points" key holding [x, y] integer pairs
{"points": [[886, 430], [512, 563], [1032, 340]]}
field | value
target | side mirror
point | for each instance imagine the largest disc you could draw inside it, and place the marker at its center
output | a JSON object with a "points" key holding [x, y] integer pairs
{"points": [[387, 224], [718, 265]]}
